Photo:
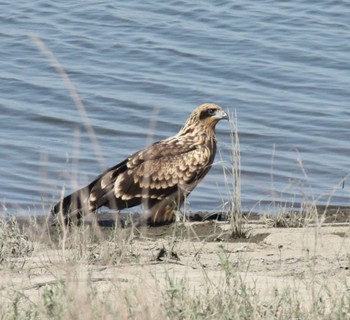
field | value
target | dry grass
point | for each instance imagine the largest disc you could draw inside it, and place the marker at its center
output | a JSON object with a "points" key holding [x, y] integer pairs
{"points": [[236, 213], [14, 242], [232, 176], [115, 274]]}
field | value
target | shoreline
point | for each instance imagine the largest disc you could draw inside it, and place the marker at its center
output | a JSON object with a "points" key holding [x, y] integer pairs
{"points": [[329, 214], [192, 268]]}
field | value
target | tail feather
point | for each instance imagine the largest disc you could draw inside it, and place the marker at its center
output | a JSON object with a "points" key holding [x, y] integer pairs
{"points": [[74, 205], [79, 202]]}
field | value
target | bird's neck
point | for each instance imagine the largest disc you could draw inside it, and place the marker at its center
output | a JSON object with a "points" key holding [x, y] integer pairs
{"points": [[195, 129], [201, 135]]}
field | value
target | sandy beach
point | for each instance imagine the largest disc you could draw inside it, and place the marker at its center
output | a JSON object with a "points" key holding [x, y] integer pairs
{"points": [[178, 271]]}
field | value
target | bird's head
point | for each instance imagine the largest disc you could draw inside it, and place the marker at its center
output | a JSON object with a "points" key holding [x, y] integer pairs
{"points": [[206, 116], [210, 114]]}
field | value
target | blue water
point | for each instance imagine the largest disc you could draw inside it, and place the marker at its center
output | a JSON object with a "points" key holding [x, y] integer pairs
{"points": [[140, 67]]}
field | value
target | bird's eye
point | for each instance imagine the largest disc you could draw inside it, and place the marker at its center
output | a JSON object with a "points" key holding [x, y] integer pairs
{"points": [[211, 112]]}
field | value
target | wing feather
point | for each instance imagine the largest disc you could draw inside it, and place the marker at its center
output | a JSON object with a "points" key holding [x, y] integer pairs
{"points": [[152, 176]]}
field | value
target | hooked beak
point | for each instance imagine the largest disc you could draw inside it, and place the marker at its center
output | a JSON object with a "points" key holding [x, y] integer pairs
{"points": [[220, 115]]}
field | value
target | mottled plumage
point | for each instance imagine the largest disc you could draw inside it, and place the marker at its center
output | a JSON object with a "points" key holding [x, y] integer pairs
{"points": [[158, 177]]}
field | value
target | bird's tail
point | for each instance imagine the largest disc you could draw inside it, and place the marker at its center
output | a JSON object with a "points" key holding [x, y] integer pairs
{"points": [[72, 207], [88, 199]]}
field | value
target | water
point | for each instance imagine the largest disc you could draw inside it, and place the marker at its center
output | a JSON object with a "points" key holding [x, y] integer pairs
{"points": [[141, 67]]}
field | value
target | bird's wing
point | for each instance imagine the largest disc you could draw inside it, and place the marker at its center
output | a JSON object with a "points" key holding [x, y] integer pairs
{"points": [[153, 174], [163, 168]]}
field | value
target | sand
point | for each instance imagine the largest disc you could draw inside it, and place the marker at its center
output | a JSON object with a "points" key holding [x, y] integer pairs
{"points": [[269, 262]]}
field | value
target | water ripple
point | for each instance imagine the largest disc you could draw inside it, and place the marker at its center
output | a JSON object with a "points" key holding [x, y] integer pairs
{"points": [[140, 69]]}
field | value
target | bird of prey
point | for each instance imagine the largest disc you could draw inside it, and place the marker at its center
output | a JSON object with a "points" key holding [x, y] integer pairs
{"points": [[158, 177]]}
